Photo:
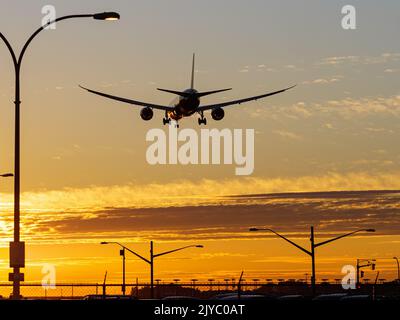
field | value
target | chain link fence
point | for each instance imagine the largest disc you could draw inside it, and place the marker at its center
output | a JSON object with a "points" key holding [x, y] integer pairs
{"points": [[203, 290]]}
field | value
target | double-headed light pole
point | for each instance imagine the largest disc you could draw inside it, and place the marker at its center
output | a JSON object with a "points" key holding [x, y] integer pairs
{"points": [[149, 261], [17, 247], [314, 245]]}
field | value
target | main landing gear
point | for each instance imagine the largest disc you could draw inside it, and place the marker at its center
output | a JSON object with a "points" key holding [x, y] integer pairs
{"points": [[202, 120], [168, 121]]}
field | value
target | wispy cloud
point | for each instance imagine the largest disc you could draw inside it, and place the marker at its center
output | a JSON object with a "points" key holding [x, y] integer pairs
{"points": [[292, 67], [205, 209], [339, 60], [322, 81], [346, 108], [183, 193], [365, 106], [290, 213], [389, 70], [288, 134], [365, 60]]}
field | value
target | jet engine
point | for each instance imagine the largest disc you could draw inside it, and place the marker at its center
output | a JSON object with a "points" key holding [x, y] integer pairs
{"points": [[146, 114], [218, 114]]}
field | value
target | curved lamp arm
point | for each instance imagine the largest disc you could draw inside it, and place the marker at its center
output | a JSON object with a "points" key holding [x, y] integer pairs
{"points": [[342, 236], [33, 36], [14, 57], [126, 248], [284, 238], [179, 249], [97, 16]]}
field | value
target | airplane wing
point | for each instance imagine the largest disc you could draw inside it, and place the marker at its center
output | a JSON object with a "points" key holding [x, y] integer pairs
{"points": [[240, 101], [134, 102]]}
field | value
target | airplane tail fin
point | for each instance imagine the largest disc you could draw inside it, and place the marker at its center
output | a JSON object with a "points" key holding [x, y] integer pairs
{"points": [[194, 93], [192, 79]]}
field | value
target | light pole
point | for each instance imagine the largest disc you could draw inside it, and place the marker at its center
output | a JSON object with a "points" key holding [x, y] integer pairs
{"points": [[122, 253], [17, 247], [398, 269], [151, 260], [313, 246], [360, 265]]}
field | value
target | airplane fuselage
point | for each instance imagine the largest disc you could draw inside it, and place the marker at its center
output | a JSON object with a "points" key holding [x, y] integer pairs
{"points": [[186, 106]]}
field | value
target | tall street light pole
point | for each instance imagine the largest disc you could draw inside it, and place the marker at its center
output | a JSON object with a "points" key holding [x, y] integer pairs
{"points": [[17, 247], [363, 263], [313, 246], [398, 269], [151, 260], [122, 253]]}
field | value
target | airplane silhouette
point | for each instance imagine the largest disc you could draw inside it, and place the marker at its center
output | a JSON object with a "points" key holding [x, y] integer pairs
{"points": [[188, 103]]}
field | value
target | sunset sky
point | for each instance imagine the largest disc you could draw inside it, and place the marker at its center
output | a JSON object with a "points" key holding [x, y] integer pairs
{"points": [[84, 174]]}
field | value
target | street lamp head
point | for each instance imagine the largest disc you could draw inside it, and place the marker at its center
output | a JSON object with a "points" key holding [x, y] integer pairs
{"points": [[199, 246], [107, 16], [254, 229], [104, 242], [370, 230], [6, 175]]}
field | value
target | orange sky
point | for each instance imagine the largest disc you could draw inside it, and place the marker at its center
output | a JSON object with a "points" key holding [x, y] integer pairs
{"points": [[69, 236], [84, 174]]}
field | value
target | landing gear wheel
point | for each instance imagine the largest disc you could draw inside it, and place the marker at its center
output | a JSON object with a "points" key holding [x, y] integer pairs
{"points": [[166, 121]]}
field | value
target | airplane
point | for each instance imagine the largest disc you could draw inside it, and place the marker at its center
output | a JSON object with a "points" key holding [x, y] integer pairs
{"points": [[187, 104]]}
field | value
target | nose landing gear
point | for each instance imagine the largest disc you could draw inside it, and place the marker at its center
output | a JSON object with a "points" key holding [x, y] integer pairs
{"points": [[202, 121]]}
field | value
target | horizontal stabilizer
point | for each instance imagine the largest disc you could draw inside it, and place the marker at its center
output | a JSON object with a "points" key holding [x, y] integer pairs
{"points": [[202, 94], [179, 93], [191, 94]]}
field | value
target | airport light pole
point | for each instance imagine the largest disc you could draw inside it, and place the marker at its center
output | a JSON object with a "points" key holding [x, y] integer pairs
{"points": [[122, 254], [363, 263], [152, 256], [17, 247], [398, 269], [313, 246]]}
